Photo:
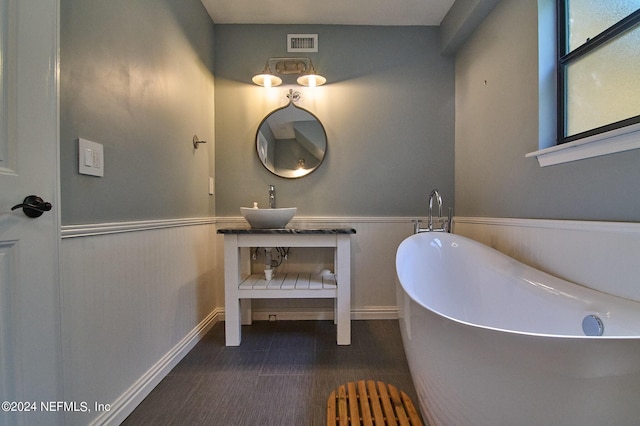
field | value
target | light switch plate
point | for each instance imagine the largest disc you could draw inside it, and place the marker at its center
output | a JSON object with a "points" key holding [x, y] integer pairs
{"points": [[90, 158], [211, 186]]}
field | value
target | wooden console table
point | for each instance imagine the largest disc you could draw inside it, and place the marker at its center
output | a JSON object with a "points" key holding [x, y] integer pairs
{"points": [[238, 290]]}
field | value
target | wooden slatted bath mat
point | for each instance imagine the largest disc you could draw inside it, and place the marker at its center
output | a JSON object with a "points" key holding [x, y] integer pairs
{"points": [[370, 403]]}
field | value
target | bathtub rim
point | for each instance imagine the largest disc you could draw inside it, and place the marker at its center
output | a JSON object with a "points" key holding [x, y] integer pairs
{"points": [[499, 329]]}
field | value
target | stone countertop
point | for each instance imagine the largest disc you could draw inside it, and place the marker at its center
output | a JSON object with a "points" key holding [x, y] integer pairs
{"points": [[302, 231]]}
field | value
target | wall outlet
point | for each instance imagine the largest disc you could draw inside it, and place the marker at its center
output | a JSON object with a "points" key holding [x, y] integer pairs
{"points": [[90, 158]]}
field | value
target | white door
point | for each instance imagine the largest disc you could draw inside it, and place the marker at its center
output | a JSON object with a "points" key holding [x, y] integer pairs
{"points": [[30, 337]]}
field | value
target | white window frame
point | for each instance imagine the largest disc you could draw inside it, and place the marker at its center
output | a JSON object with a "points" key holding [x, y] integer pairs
{"points": [[618, 140], [614, 141]]}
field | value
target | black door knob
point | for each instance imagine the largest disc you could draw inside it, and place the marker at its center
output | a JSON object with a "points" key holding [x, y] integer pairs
{"points": [[33, 206]]}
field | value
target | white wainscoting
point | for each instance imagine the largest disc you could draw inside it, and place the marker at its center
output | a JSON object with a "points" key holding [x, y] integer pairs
{"points": [[136, 297], [599, 255]]}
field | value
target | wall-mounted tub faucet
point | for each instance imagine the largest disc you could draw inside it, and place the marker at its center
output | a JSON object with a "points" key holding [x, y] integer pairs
{"points": [[272, 197], [445, 224]]}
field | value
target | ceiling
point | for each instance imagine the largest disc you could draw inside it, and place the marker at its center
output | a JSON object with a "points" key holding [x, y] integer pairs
{"points": [[339, 12]]}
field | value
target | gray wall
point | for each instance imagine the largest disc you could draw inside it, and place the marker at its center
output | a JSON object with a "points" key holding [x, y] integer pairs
{"points": [[136, 76], [497, 124], [388, 109]]}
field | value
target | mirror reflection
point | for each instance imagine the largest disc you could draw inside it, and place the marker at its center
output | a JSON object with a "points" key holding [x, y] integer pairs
{"points": [[291, 142]]}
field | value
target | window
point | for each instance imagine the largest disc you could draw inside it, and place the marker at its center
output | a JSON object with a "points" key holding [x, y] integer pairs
{"points": [[598, 67]]}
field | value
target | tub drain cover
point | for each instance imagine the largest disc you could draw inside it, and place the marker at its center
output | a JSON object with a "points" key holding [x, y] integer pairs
{"points": [[592, 326]]}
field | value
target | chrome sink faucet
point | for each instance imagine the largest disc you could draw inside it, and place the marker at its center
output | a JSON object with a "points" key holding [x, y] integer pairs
{"points": [[272, 197]]}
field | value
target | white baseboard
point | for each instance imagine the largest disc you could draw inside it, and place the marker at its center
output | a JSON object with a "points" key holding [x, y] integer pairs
{"points": [[375, 313], [132, 397], [366, 313]]}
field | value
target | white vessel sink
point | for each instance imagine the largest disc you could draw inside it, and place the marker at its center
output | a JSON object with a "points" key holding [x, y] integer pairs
{"points": [[268, 218]]}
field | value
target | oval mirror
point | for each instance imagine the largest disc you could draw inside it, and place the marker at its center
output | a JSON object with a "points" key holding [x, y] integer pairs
{"points": [[291, 142]]}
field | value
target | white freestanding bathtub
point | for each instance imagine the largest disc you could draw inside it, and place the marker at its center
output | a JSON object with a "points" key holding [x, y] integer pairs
{"points": [[491, 341]]}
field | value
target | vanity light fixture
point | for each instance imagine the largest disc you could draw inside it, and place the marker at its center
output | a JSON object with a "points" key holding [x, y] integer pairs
{"points": [[311, 78], [267, 78], [287, 66]]}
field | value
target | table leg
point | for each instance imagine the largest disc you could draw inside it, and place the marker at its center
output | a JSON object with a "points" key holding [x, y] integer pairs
{"points": [[343, 298], [232, 326]]}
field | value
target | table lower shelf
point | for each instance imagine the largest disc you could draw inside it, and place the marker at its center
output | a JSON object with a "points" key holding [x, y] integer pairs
{"points": [[289, 286], [289, 281]]}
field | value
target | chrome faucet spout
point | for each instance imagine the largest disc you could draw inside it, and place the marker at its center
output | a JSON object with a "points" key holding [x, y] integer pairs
{"points": [[272, 197], [434, 194], [444, 224]]}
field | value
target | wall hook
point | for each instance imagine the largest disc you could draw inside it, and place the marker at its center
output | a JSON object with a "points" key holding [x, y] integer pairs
{"points": [[196, 141]]}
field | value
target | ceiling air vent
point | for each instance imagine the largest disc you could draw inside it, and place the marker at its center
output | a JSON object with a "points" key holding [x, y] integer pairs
{"points": [[302, 42]]}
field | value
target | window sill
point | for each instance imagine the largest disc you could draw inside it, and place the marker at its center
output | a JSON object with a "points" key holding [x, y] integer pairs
{"points": [[618, 140]]}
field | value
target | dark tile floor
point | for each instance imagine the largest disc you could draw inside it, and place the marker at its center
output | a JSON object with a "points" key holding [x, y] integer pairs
{"points": [[281, 374]]}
